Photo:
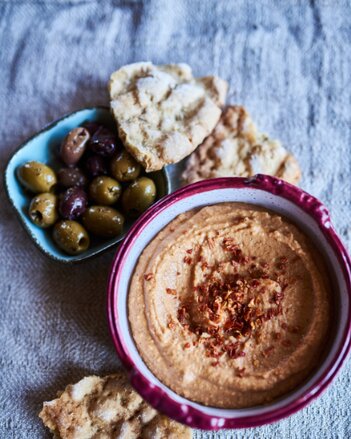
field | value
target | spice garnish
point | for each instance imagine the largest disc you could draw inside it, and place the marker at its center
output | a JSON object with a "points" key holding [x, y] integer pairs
{"points": [[204, 266], [171, 291], [240, 371], [230, 308], [188, 260]]}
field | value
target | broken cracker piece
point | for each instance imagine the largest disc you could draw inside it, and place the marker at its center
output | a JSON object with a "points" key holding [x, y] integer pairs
{"points": [[162, 112], [237, 148], [106, 408]]}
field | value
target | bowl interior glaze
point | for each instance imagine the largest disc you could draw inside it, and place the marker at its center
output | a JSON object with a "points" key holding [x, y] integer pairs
{"points": [[302, 209], [43, 147]]}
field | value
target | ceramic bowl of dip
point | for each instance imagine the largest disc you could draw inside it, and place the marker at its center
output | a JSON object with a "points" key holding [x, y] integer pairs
{"points": [[302, 209]]}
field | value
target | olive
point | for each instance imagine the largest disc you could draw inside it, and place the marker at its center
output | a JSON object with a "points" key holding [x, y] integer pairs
{"points": [[138, 196], [71, 237], [103, 142], [69, 177], [74, 145], [73, 203], [43, 210], [92, 127], [105, 190], [36, 177], [124, 167], [103, 221], [95, 165]]}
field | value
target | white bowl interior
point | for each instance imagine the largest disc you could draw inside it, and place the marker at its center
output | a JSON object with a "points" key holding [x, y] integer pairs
{"points": [[260, 198]]}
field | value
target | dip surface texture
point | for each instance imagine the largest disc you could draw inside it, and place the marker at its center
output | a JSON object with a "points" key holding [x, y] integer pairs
{"points": [[229, 305]]}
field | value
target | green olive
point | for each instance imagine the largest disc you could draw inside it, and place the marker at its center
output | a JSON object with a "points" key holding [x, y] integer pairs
{"points": [[124, 167], [103, 221], [138, 196], [105, 190], [43, 210], [71, 237], [36, 177]]}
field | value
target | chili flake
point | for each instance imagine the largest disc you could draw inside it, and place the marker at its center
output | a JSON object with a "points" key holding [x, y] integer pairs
{"points": [[240, 371], [171, 291], [188, 260]]}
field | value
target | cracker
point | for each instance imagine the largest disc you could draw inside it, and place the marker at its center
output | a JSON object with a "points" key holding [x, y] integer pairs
{"points": [[162, 112], [237, 148], [108, 407]]}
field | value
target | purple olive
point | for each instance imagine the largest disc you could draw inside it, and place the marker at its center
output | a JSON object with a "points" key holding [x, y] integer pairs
{"points": [[73, 203], [74, 145], [103, 142], [92, 127], [95, 165], [69, 177]]}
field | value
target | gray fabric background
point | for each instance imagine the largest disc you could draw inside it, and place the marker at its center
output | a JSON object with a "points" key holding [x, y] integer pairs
{"points": [[288, 62]]}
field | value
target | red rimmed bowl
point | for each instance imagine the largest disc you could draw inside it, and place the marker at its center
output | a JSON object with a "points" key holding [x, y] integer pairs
{"points": [[274, 194]]}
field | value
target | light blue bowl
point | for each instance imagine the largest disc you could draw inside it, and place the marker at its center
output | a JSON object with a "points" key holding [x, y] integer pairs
{"points": [[42, 147]]}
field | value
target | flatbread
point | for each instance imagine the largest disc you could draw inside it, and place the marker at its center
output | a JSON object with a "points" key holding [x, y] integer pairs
{"points": [[162, 112], [237, 148], [107, 408]]}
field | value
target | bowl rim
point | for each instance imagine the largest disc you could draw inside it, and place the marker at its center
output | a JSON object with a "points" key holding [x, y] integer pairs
{"points": [[161, 400], [69, 260]]}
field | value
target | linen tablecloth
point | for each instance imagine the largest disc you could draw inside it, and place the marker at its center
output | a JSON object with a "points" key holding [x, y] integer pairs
{"points": [[288, 62]]}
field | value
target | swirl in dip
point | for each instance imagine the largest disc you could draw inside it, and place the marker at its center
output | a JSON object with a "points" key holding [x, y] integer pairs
{"points": [[229, 305]]}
